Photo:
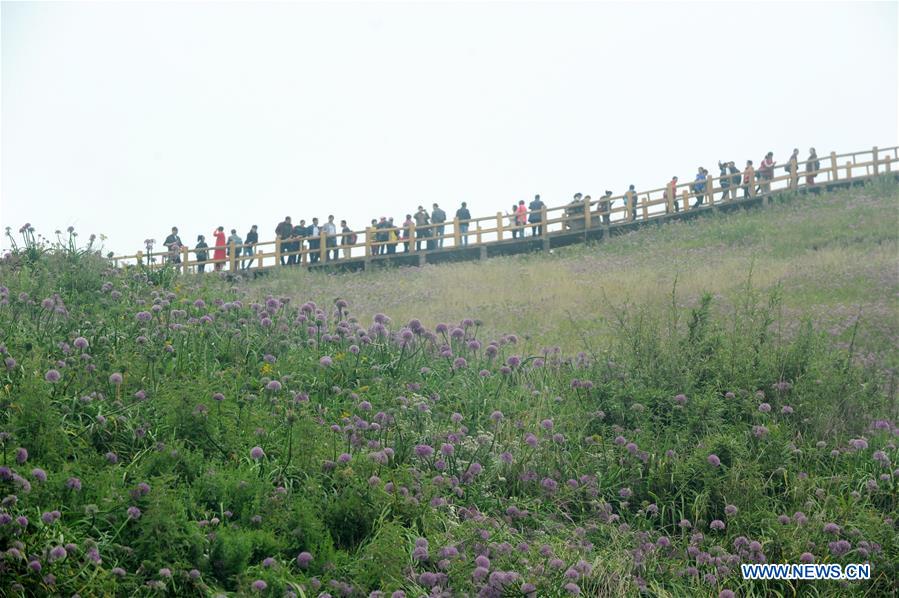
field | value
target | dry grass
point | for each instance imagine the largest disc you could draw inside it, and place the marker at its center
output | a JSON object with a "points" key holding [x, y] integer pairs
{"points": [[833, 257]]}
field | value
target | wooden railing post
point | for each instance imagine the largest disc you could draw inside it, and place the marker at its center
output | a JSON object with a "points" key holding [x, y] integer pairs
{"points": [[322, 246], [368, 233], [874, 158], [231, 263], [794, 173], [277, 251], [259, 260], [140, 257], [587, 216], [457, 235], [710, 189], [629, 206], [544, 226], [499, 226], [669, 199], [478, 235], [887, 163], [833, 167], [685, 197], [184, 257], [848, 169], [751, 181]]}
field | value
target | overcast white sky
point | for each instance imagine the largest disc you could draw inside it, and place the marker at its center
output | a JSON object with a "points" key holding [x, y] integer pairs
{"points": [[128, 118]]}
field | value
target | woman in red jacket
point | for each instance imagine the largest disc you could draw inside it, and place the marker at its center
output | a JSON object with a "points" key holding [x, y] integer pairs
{"points": [[219, 255]]}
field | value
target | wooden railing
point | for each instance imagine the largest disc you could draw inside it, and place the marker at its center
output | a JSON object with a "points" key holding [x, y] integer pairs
{"points": [[589, 213]]}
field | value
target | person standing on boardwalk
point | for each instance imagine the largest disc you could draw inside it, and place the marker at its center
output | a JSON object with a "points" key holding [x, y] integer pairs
{"points": [[250, 249], [382, 236], [201, 253], [237, 243], [699, 186], [407, 232], [605, 205], [633, 193], [283, 232], [672, 191], [315, 241], [329, 230], [438, 217], [391, 236], [348, 239], [747, 178], [812, 166], [734, 179], [766, 172], [724, 178], [463, 215], [536, 216], [421, 222], [219, 255], [789, 165], [173, 243], [522, 217]]}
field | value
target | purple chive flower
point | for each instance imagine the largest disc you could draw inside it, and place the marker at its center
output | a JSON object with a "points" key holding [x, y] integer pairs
{"points": [[257, 453], [57, 553], [303, 559], [806, 558], [259, 585], [713, 460], [143, 316], [786, 410], [73, 484], [52, 376], [115, 378], [424, 451], [831, 528], [496, 416], [81, 342], [547, 424], [717, 524], [730, 510], [21, 455], [273, 386], [726, 594], [680, 399], [572, 588], [326, 361], [112, 458], [765, 408], [133, 513], [35, 566]]}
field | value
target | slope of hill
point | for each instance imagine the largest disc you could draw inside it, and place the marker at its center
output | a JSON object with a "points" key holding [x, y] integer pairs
{"points": [[832, 258]]}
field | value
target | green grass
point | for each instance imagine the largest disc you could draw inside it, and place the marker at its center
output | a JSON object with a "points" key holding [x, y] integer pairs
{"points": [[195, 436], [833, 256]]}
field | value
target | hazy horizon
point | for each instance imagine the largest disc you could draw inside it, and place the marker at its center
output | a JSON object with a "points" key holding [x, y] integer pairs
{"points": [[128, 118]]}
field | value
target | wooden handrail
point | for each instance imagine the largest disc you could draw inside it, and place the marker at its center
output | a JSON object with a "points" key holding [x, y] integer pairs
{"points": [[584, 215]]}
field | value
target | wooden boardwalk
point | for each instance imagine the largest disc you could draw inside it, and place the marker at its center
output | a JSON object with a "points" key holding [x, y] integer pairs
{"points": [[577, 222]]}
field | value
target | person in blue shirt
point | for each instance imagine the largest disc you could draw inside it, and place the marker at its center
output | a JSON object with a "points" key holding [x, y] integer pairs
{"points": [[699, 186]]}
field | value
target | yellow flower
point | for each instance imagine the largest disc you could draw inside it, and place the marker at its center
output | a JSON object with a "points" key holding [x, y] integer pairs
{"points": [[339, 357], [266, 368], [363, 389], [345, 414]]}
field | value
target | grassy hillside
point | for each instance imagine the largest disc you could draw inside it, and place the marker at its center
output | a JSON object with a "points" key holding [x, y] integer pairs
{"points": [[833, 258], [194, 436]]}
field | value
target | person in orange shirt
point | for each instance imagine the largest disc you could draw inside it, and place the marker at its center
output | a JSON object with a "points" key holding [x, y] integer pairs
{"points": [[672, 192]]}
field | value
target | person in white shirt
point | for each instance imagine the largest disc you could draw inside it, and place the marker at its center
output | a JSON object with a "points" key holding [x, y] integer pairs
{"points": [[330, 229]]}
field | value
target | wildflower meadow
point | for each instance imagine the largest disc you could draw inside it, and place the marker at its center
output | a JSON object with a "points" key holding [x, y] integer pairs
{"points": [[199, 436]]}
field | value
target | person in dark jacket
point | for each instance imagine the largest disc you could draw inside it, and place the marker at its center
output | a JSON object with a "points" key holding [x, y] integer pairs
{"points": [[735, 178], [605, 204], [724, 178], [812, 166], [438, 217], [536, 216], [422, 230], [250, 246], [348, 239], [173, 244], [463, 215], [202, 253], [313, 233], [283, 231]]}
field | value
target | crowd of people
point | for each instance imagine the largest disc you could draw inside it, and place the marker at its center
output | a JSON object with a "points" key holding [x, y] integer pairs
{"points": [[428, 229]]}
